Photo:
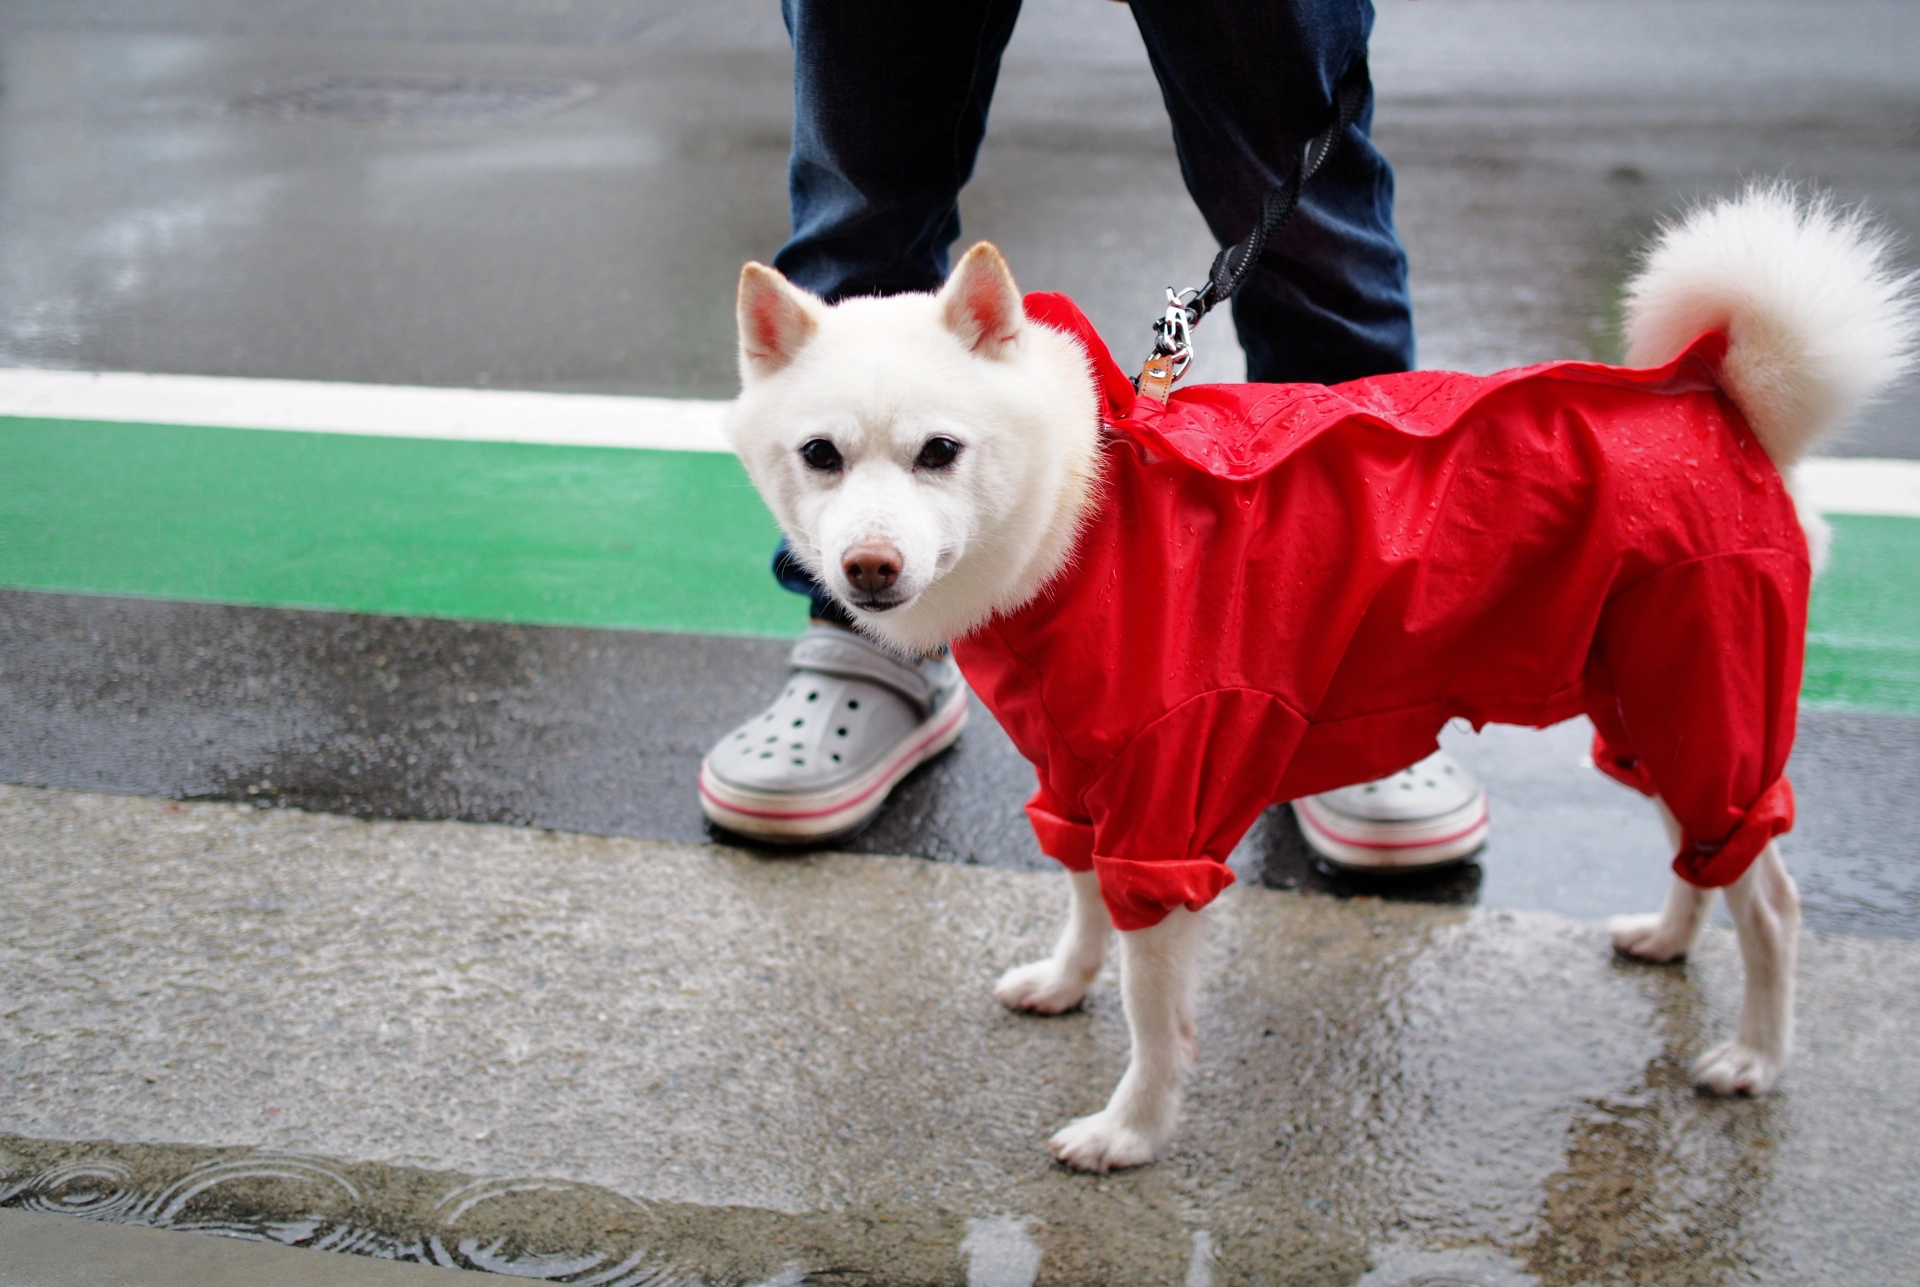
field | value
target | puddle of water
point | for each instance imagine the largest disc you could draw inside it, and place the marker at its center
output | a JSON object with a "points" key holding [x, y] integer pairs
{"points": [[1200, 1268], [1658, 1183], [1406, 1263], [542, 1229], [1000, 1252]]}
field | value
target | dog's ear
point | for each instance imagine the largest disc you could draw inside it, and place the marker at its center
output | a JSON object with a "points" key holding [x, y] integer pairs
{"points": [[776, 321], [981, 305]]}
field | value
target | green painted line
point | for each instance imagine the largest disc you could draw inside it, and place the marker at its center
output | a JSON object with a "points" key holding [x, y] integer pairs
{"points": [[491, 531], [582, 536], [1863, 631]]}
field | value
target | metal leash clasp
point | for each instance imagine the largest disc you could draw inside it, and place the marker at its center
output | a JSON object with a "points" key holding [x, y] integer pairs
{"points": [[1173, 333], [1172, 347]]}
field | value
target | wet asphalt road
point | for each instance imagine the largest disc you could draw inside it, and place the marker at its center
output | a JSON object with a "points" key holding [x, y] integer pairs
{"points": [[559, 196], [602, 732], [538, 195]]}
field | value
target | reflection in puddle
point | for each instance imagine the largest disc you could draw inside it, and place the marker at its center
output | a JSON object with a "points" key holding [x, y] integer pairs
{"points": [[1658, 1184], [548, 1230], [1000, 1252], [1200, 1268], [1407, 1264], [1540, 1122]]}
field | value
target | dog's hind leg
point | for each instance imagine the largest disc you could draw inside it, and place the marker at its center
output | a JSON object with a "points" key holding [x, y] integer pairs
{"points": [[1159, 977], [1766, 915], [1059, 982], [1765, 907], [1670, 933]]}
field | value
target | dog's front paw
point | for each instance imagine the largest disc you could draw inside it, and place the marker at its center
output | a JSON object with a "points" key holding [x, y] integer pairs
{"points": [[1102, 1142], [1735, 1068], [1045, 987], [1648, 937]]}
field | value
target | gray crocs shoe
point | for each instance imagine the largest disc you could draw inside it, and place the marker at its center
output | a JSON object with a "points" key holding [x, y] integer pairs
{"points": [[1424, 816], [852, 721]]}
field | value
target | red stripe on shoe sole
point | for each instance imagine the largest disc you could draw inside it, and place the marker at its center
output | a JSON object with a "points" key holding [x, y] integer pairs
{"points": [[800, 815], [1331, 834]]}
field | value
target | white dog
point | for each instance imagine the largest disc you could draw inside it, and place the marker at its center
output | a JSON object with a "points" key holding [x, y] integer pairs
{"points": [[945, 464]]}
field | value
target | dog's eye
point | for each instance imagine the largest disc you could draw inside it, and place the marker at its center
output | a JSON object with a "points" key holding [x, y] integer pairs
{"points": [[821, 455], [937, 454]]}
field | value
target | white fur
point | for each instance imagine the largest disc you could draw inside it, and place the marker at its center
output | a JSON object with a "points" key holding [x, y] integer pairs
{"points": [[1765, 905], [1159, 982], [1670, 933], [1057, 983], [1818, 324], [879, 377]]}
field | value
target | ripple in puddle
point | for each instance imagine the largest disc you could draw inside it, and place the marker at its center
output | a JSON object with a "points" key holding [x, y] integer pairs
{"points": [[548, 1230]]}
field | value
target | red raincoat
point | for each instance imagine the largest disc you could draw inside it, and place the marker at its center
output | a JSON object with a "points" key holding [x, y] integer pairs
{"points": [[1286, 588]]}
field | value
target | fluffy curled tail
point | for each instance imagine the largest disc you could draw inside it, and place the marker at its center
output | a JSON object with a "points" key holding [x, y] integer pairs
{"points": [[1819, 322]]}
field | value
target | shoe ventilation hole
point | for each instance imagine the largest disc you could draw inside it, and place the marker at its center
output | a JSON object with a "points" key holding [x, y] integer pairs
{"points": [[789, 692], [796, 746], [800, 762], [841, 731], [1447, 769], [1406, 786], [813, 697], [1431, 782], [836, 757], [740, 736], [766, 755], [773, 737], [852, 705], [1372, 789], [797, 723]]}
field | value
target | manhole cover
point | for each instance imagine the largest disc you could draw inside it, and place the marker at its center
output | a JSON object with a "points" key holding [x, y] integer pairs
{"points": [[413, 100]]}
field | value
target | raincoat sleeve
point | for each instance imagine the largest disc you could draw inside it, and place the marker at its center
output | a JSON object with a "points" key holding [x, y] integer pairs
{"points": [[1175, 802], [1699, 683], [1064, 832]]}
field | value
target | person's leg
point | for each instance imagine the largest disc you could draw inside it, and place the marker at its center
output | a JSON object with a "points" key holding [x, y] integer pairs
{"points": [[890, 104], [1245, 86], [793, 575]]}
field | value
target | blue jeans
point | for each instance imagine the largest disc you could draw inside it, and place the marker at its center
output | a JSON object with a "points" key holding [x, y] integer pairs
{"points": [[890, 105]]}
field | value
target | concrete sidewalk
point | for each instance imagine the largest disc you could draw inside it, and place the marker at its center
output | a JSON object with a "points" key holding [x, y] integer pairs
{"points": [[602, 1060]]}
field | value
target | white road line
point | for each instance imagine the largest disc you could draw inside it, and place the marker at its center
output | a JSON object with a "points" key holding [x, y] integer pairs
{"points": [[387, 410], [1861, 485], [1836, 485]]}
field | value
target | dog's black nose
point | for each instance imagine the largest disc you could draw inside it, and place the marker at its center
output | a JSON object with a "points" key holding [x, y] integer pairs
{"points": [[871, 567]]}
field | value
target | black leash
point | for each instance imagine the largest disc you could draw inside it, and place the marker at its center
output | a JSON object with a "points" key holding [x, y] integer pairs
{"points": [[1173, 333]]}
